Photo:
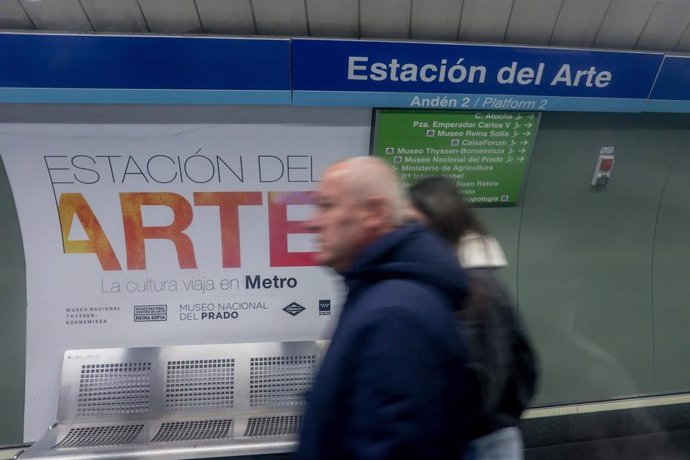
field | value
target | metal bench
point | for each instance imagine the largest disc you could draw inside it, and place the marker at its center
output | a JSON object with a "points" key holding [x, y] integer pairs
{"points": [[195, 401]]}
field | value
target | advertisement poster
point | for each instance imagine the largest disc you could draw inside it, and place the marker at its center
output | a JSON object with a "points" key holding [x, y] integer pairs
{"points": [[168, 234], [485, 153]]}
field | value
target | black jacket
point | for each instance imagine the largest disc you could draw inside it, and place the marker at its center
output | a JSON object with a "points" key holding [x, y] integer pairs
{"points": [[394, 383], [503, 356]]}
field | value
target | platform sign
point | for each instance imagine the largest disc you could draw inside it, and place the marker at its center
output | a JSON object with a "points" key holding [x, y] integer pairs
{"points": [[485, 153], [469, 77]]}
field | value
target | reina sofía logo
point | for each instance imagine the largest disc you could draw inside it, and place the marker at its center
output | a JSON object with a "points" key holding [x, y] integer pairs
{"points": [[145, 313], [294, 309]]}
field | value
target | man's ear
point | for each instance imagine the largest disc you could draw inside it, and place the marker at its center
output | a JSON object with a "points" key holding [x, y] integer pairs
{"points": [[377, 213]]}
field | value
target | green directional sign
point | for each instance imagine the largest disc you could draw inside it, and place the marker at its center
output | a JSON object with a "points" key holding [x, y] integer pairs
{"points": [[485, 153]]}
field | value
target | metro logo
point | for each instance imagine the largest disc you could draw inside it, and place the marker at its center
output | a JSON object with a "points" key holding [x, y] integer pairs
{"points": [[136, 233]]}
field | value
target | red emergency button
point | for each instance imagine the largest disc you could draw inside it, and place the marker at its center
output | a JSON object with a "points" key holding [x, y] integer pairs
{"points": [[606, 164]]}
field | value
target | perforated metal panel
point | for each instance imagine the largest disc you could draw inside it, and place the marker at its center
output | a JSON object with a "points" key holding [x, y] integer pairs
{"points": [[114, 388], [200, 384], [188, 401], [100, 436], [274, 426], [190, 431], [280, 380]]}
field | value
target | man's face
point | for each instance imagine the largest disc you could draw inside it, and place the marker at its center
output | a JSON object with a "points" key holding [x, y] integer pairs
{"points": [[338, 222]]}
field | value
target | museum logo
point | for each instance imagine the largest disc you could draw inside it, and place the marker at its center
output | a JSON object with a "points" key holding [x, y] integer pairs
{"points": [[324, 307], [145, 313]]}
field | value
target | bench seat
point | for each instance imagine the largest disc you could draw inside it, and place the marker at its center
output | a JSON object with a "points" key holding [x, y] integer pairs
{"points": [[190, 401]]}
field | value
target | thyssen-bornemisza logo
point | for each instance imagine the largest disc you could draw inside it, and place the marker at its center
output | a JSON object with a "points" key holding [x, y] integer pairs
{"points": [[294, 309]]}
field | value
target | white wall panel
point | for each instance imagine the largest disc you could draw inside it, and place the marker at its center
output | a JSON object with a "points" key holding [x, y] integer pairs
{"points": [[684, 42], [579, 22], [385, 18], [280, 17], [226, 16], [666, 25], [119, 16], [623, 23], [617, 24], [12, 16], [532, 21], [435, 19], [57, 15], [333, 18], [484, 20], [171, 16]]}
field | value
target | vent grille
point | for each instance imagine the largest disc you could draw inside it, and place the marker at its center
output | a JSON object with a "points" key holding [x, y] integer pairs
{"points": [[280, 380], [274, 426], [192, 431], [100, 436], [200, 384], [115, 388]]}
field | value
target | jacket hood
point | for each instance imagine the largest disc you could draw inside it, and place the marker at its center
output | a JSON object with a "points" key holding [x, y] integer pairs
{"points": [[413, 253]]}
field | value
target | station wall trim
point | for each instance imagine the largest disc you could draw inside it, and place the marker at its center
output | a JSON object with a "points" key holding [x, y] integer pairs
{"points": [[129, 69]]}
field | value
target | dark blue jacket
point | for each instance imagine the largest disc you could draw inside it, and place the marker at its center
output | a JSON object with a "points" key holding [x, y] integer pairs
{"points": [[394, 382]]}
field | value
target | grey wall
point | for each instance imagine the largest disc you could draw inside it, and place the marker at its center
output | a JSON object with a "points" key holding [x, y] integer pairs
{"points": [[671, 279], [600, 275], [12, 318]]}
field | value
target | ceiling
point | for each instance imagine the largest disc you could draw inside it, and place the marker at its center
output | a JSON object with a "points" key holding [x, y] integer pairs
{"points": [[660, 25]]}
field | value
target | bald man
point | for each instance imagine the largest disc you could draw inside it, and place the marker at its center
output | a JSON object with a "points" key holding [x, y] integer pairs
{"points": [[394, 383]]}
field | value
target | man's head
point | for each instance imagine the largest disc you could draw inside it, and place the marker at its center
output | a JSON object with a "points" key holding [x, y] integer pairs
{"points": [[359, 200]]}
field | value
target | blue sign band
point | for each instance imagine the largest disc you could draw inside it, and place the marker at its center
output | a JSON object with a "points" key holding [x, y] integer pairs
{"points": [[141, 62], [43, 68], [667, 106], [142, 96], [390, 67], [673, 81]]}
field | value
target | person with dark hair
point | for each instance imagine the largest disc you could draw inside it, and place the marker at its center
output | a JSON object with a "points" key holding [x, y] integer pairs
{"points": [[437, 202], [502, 355]]}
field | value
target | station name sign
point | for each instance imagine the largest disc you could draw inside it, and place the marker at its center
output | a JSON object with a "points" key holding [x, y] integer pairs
{"points": [[456, 76]]}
